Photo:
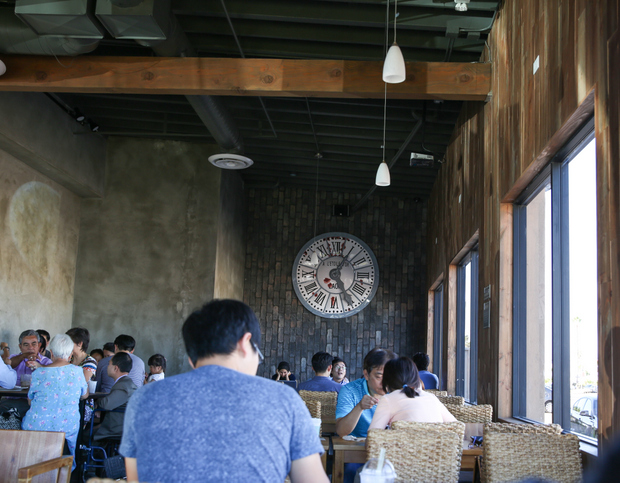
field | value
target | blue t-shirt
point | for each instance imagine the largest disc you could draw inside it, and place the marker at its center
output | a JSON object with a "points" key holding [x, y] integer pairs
{"points": [[349, 396], [430, 380], [321, 384], [217, 424]]}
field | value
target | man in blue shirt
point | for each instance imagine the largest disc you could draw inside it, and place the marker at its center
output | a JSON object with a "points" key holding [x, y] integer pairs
{"points": [[322, 366], [358, 400], [430, 380], [220, 422]]}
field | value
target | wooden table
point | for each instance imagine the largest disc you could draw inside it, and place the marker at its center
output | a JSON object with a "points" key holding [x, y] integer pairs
{"points": [[355, 452], [20, 393]]}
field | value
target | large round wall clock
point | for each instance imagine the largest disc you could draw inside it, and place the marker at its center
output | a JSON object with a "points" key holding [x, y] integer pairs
{"points": [[340, 280]]}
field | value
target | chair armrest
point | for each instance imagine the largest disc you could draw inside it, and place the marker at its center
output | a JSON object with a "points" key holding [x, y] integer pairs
{"points": [[25, 474]]}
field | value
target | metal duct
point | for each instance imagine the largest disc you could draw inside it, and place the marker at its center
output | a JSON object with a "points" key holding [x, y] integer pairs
{"points": [[17, 38], [211, 110]]}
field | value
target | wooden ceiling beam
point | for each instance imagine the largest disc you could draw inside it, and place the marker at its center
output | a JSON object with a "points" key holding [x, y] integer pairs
{"points": [[243, 77]]}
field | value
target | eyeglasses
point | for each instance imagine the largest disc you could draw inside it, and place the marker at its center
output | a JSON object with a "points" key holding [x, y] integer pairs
{"points": [[261, 357]]}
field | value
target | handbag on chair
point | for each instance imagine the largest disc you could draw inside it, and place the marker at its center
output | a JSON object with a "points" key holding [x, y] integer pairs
{"points": [[11, 419]]}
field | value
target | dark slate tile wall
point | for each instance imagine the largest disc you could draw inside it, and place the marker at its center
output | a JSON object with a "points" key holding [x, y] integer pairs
{"points": [[279, 223]]}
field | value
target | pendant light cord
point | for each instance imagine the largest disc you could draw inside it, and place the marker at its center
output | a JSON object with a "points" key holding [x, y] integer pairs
{"points": [[316, 194], [395, 15], [387, 46], [384, 116]]}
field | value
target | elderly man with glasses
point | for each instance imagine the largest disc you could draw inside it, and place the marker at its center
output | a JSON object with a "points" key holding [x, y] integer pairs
{"points": [[219, 422]]}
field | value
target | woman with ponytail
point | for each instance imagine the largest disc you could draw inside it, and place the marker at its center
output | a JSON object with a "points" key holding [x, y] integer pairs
{"points": [[405, 400]]}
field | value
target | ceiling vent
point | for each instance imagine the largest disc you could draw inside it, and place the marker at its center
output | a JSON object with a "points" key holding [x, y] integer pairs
{"points": [[230, 161], [69, 18], [144, 20]]}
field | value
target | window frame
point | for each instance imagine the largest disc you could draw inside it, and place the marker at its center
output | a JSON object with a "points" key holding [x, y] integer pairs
{"points": [[555, 173], [472, 257], [438, 294]]}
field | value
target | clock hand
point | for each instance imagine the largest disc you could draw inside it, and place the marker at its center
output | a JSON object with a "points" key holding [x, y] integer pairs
{"points": [[335, 275], [344, 260]]}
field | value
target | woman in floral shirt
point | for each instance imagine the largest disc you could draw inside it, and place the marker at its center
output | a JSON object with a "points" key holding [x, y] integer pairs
{"points": [[81, 339], [55, 394]]}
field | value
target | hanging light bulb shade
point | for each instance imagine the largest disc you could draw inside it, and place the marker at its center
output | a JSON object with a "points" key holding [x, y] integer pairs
{"points": [[394, 66], [314, 259], [383, 175]]}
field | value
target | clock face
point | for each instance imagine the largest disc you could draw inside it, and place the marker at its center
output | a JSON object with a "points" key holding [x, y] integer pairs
{"points": [[341, 280]]}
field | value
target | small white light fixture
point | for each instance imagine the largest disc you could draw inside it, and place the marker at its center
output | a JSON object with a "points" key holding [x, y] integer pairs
{"points": [[2, 68], [383, 172], [383, 175], [461, 5], [230, 161], [394, 70], [314, 259]]}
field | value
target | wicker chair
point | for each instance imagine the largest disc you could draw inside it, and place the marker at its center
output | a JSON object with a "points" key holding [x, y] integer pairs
{"points": [[482, 413], [458, 427], [426, 455], [437, 392], [514, 428], [315, 411], [514, 456], [453, 400], [328, 401]]}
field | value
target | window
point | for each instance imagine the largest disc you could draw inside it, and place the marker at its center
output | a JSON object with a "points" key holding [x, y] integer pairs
{"points": [[466, 327], [438, 334], [555, 308]]}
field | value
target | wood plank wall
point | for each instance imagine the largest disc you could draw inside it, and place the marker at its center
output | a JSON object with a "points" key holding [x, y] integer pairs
{"points": [[499, 146]]}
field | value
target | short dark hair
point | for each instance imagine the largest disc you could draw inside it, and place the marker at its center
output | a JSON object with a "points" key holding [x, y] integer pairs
{"points": [[157, 360], [321, 361], [125, 342], [337, 360], [29, 333], [44, 333], [284, 365], [97, 351], [217, 327], [376, 358], [79, 334], [109, 346], [421, 360], [123, 361], [401, 372]]}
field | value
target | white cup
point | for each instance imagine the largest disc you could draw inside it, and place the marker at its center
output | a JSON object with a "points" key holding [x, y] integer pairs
{"points": [[317, 425], [25, 380], [92, 386]]}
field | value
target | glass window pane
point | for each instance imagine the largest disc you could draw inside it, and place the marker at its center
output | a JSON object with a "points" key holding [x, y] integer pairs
{"points": [[583, 288], [467, 332], [538, 369]]}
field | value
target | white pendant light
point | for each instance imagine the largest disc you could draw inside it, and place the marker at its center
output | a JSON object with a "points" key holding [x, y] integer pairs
{"points": [[394, 66], [383, 173], [2, 68], [394, 70]]}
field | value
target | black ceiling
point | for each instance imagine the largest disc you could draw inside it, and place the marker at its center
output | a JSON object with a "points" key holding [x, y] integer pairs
{"points": [[284, 137]]}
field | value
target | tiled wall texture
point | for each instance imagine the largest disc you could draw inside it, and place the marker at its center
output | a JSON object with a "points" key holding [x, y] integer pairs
{"points": [[280, 222]]}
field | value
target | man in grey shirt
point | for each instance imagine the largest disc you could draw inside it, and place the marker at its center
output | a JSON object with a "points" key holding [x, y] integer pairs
{"points": [[123, 343]]}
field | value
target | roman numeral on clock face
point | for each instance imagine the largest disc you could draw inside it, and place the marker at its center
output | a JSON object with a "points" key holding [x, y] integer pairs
{"points": [[336, 246], [311, 287], [320, 298], [359, 262], [322, 250], [307, 273], [362, 275], [358, 289], [334, 303]]}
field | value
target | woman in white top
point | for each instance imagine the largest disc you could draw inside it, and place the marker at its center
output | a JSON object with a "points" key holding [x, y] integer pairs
{"points": [[405, 400]]}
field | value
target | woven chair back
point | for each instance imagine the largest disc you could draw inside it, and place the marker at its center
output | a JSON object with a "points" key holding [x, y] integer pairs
{"points": [[457, 427], [514, 456], [483, 413], [453, 400], [437, 392], [426, 455], [315, 408], [328, 401]]}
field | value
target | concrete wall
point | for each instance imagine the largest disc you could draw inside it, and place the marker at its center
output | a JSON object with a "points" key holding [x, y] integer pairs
{"points": [[230, 262], [39, 225], [147, 252]]}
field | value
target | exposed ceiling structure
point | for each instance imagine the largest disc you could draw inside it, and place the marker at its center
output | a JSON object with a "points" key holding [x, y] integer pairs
{"points": [[285, 136]]}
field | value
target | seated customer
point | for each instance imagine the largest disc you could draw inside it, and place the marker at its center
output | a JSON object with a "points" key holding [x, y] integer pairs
{"points": [[284, 373], [123, 343], [28, 358], [406, 401], [219, 422], [8, 376], [430, 380], [339, 371], [108, 349], [123, 388], [322, 366], [55, 394], [358, 399]]}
